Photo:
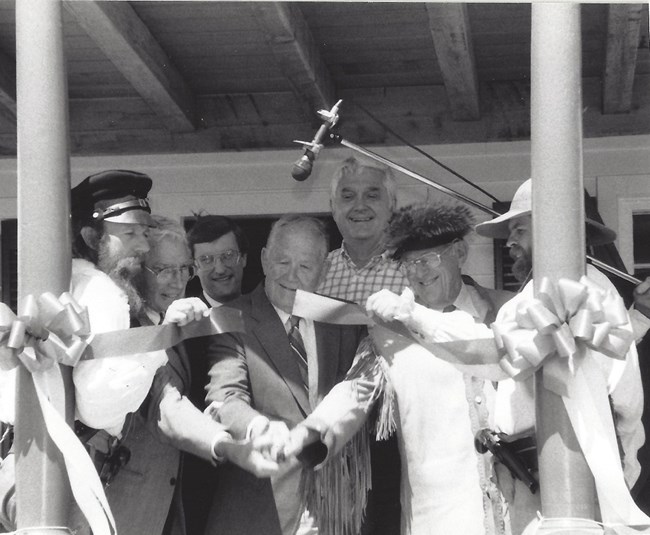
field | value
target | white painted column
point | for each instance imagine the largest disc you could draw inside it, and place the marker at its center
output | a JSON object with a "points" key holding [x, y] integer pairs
{"points": [[567, 486], [42, 488]]}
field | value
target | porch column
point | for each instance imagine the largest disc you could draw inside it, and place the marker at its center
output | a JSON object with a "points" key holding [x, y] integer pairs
{"points": [[42, 488], [566, 484]]}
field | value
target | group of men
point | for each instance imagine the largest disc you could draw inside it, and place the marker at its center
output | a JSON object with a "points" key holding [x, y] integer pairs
{"points": [[287, 394]]}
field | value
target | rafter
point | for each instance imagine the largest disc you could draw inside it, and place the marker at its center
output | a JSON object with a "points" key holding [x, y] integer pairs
{"points": [[452, 39], [127, 42], [623, 27], [7, 87], [288, 34]]}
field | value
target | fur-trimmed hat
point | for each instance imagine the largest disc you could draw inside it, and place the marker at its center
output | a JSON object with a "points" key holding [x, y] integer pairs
{"points": [[423, 226]]}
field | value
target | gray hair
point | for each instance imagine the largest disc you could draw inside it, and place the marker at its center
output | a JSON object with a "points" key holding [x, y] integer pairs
{"points": [[165, 228], [352, 166], [302, 222]]}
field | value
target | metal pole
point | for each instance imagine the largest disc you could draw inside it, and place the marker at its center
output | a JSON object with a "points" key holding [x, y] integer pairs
{"points": [[463, 198], [414, 175], [42, 488], [566, 484]]}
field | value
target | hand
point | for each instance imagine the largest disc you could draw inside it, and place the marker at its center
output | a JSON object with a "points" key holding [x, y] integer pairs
{"points": [[642, 297], [244, 455], [270, 440], [299, 437], [183, 311], [389, 306], [212, 410]]}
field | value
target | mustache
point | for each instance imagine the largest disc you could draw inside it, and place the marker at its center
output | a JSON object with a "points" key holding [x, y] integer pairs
{"points": [[515, 251], [126, 268]]}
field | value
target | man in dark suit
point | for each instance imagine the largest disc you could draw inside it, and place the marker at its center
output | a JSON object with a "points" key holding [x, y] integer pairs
{"points": [[219, 248], [264, 382]]}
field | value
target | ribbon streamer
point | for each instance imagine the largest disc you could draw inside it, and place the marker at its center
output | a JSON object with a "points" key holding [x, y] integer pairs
{"points": [[53, 331]]}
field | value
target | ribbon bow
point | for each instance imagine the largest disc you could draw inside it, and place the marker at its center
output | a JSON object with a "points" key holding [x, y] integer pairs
{"points": [[49, 330], [555, 328]]}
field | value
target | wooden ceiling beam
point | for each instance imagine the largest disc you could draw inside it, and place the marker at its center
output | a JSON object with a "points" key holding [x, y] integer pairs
{"points": [[452, 39], [127, 42], [294, 48], [623, 30], [7, 88]]}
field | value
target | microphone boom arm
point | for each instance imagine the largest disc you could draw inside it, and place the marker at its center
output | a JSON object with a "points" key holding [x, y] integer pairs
{"points": [[459, 196]]}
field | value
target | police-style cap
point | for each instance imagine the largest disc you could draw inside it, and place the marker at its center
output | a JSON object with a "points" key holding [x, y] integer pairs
{"points": [[424, 226], [118, 196]]}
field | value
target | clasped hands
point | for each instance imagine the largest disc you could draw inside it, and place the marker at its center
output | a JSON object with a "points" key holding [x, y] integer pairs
{"points": [[276, 443]]}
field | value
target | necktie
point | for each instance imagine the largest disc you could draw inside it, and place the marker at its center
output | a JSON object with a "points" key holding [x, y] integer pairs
{"points": [[298, 348]]}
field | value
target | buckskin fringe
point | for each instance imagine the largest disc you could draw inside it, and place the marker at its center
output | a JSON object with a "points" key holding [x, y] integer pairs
{"points": [[336, 495]]}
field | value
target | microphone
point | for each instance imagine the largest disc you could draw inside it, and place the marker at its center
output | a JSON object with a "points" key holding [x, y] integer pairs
{"points": [[303, 166]]}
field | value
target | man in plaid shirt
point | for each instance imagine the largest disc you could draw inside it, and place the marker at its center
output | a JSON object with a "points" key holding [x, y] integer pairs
{"points": [[363, 199]]}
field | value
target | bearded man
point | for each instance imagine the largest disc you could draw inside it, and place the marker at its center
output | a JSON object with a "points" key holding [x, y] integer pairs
{"points": [[111, 221]]}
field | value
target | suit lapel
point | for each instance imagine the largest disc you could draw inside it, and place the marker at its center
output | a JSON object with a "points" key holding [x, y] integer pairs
{"points": [[273, 340]]}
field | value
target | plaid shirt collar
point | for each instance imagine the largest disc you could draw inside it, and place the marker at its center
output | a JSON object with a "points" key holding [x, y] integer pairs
{"points": [[375, 261]]}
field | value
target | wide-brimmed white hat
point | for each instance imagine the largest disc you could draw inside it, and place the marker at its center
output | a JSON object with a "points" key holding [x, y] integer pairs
{"points": [[597, 233]]}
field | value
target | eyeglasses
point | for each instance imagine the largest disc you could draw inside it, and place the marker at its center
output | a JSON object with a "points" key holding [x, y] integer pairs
{"points": [[428, 260], [228, 258], [168, 273]]}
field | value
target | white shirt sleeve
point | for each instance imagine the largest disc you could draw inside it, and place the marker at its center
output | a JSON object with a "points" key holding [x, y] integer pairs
{"points": [[108, 389], [435, 326]]}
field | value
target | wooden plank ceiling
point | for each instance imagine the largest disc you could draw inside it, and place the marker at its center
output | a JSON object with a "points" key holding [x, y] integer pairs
{"points": [[164, 76]]}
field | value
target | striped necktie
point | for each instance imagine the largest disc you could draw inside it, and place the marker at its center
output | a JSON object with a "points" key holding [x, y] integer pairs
{"points": [[298, 348]]}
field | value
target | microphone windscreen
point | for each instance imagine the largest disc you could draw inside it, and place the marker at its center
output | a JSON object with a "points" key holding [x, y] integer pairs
{"points": [[301, 169]]}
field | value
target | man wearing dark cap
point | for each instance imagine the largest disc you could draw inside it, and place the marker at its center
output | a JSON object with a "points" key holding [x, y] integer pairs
{"points": [[111, 221], [446, 485]]}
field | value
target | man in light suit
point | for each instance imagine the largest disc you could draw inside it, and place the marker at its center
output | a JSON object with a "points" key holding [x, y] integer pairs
{"points": [[260, 387]]}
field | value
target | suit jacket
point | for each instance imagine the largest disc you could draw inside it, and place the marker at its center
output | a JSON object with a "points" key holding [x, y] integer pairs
{"points": [[256, 373], [147, 491], [199, 475]]}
